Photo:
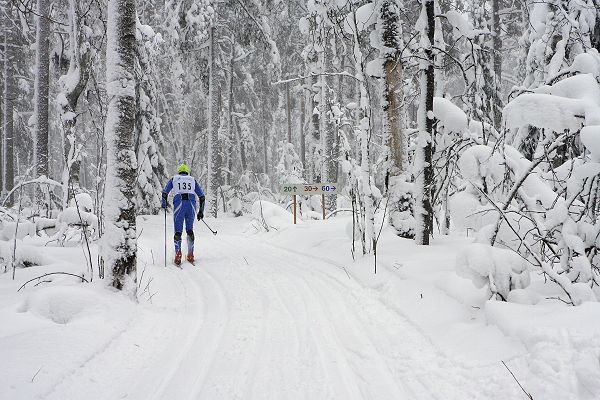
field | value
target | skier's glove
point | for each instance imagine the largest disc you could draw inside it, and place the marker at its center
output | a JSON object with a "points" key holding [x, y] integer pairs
{"points": [[201, 211], [164, 203]]}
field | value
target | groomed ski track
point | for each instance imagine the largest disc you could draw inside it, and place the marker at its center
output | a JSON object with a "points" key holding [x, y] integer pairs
{"points": [[255, 321]]}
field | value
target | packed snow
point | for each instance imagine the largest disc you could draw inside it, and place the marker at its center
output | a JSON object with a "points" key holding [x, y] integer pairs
{"points": [[286, 313]]}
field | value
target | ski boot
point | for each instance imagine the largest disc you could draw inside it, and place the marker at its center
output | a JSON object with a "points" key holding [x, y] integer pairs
{"points": [[190, 258], [178, 257]]}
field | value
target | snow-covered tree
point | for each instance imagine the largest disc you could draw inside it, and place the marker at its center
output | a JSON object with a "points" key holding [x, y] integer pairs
{"points": [[214, 146], [42, 87], [390, 46], [72, 85], [120, 240], [149, 143], [424, 168]]}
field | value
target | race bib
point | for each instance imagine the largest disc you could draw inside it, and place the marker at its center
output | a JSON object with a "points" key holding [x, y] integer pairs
{"points": [[184, 184]]}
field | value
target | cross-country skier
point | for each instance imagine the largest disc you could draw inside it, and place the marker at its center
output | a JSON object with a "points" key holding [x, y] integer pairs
{"points": [[185, 189]]}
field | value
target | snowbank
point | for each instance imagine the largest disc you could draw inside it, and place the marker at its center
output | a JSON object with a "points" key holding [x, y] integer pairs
{"points": [[62, 304]]}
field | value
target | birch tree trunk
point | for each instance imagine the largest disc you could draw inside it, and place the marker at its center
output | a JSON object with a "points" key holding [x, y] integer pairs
{"points": [[401, 210], [120, 240], [42, 81], [424, 180]]}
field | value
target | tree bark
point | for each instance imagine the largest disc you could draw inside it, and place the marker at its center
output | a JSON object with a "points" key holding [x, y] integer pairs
{"points": [[214, 159], [424, 181], [120, 239], [497, 65], [42, 81], [401, 209], [72, 85], [10, 94], [288, 112]]}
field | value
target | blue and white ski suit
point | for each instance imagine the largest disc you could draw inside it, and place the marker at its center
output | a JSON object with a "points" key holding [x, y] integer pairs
{"points": [[185, 189]]}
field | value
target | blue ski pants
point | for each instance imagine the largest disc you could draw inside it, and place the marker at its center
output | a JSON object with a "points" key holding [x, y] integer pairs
{"points": [[184, 213]]}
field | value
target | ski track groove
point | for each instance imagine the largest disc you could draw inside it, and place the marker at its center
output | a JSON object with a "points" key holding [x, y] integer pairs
{"points": [[350, 369], [422, 378]]}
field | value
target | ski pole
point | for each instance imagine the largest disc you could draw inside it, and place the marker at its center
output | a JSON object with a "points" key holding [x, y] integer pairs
{"points": [[213, 232], [165, 237]]}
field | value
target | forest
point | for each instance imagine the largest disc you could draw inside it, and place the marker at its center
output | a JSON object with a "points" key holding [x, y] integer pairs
{"points": [[432, 116]]}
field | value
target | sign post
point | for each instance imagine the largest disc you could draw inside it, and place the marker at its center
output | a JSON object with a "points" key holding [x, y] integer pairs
{"points": [[294, 196], [307, 189]]}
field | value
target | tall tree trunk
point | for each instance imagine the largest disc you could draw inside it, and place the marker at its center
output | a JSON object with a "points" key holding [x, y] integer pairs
{"points": [[120, 246], [303, 131], [496, 100], [10, 94], [400, 198], [72, 85], [3, 25], [214, 157], [424, 181], [230, 111], [315, 137], [42, 81], [288, 112], [149, 144]]}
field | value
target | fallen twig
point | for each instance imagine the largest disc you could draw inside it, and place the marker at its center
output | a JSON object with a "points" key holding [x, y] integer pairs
{"points": [[518, 383], [53, 273]]}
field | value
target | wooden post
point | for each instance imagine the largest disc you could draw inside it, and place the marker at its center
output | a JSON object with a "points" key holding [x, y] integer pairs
{"points": [[323, 204], [294, 196]]}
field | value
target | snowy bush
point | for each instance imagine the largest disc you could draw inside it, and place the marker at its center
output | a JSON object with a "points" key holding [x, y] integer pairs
{"points": [[269, 215], [500, 270], [25, 228], [72, 222], [540, 202], [84, 201]]}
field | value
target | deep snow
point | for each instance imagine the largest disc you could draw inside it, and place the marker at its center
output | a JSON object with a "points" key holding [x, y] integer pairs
{"points": [[287, 314]]}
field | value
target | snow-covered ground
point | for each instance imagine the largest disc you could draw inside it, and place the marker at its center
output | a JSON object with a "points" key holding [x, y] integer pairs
{"points": [[286, 314]]}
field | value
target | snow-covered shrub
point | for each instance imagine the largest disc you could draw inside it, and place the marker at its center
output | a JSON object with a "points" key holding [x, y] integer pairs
{"points": [[25, 228], [234, 205], [65, 303], [72, 222], [541, 204], [500, 270], [25, 255], [289, 168], [482, 168], [269, 216], [84, 201], [401, 214]]}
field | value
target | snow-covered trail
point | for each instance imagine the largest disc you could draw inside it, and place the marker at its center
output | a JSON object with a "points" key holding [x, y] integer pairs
{"points": [[255, 321]]}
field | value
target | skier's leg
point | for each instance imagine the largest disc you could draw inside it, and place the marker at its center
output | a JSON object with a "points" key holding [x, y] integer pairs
{"points": [[189, 227], [178, 219]]}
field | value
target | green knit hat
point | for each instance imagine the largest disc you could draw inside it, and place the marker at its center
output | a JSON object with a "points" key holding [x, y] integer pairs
{"points": [[183, 168]]}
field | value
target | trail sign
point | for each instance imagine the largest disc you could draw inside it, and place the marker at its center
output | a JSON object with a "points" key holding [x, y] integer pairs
{"points": [[294, 189], [309, 188]]}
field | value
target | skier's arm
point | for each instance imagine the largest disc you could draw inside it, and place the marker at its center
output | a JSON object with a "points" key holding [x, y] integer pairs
{"points": [[201, 200], [165, 193]]}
